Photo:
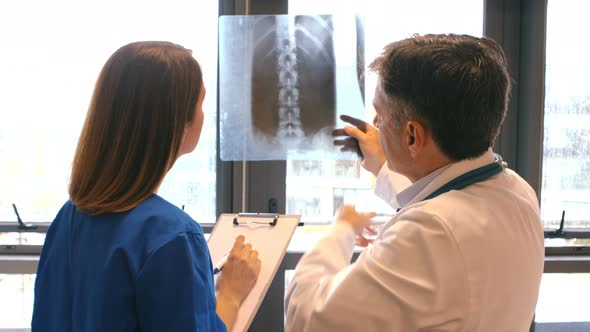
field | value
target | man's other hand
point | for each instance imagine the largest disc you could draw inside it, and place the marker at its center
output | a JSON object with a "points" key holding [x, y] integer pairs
{"points": [[358, 220]]}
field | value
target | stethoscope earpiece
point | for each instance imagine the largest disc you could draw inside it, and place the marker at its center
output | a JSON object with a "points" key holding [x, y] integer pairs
{"points": [[498, 159]]}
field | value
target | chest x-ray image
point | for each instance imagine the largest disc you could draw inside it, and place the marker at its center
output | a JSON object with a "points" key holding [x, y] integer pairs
{"points": [[284, 80]]}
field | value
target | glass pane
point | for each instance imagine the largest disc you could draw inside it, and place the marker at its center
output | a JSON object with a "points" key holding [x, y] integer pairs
{"points": [[566, 142], [316, 188], [16, 300], [563, 298], [55, 50]]}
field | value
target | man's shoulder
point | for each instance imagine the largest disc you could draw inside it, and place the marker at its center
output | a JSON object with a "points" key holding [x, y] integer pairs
{"points": [[478, 216], [505, 190], [517, 182], [475, 207], [420, 219]]}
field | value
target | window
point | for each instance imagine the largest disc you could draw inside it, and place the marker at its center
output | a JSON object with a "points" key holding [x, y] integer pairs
{"points": [[316, 188], [51, 59], [16, 300], [563, 299], [49, 64], [566, 141]]}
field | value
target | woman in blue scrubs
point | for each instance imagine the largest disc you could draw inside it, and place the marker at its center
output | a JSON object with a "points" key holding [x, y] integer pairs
{"points": [[118, 257]]}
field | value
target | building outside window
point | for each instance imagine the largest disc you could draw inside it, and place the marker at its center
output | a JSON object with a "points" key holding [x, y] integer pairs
{"points": [[566, 141]]}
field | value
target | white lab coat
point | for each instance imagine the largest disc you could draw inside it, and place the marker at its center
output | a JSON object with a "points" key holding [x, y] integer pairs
{"points": [[467, 260]]}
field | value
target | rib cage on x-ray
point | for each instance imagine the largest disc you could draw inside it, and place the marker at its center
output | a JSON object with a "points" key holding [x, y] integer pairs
{"points": [[293, 77]]}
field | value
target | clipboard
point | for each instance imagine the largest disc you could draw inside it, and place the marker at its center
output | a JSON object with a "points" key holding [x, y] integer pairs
{"points": [[270, 234]]}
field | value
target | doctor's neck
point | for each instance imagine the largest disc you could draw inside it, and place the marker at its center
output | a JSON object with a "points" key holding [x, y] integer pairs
{"points": [[428, 169], [427, 161]]}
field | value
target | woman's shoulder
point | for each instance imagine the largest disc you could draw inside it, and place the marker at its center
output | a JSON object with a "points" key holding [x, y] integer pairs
{"points": [[147, 228], [164, 217]]}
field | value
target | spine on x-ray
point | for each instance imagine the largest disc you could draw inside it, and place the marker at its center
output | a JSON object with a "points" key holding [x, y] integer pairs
{"points": [[288, 99]]}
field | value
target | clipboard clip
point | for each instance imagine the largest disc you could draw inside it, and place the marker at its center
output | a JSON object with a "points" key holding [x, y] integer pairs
{"points": [[275, 218]]}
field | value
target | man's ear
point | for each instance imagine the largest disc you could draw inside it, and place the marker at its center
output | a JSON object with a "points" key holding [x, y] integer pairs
{"points": [[414, 137]]}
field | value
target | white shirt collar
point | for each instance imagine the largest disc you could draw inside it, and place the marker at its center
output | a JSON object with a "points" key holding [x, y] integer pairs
{"points": [[407, 195], [423, 187]]}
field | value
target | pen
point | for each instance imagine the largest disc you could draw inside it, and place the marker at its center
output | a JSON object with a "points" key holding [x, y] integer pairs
{"points": [[219, 266]]}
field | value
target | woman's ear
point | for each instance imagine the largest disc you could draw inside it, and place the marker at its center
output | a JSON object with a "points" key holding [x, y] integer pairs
{"points": [[414, 136]]}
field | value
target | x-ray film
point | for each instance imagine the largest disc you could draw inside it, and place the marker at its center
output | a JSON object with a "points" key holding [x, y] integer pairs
{"points": [[283, 82]]}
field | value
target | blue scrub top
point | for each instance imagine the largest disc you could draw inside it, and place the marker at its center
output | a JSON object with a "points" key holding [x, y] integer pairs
{"points": [[147, 269]]}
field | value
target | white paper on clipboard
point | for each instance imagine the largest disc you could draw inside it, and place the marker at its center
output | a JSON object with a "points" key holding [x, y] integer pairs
{"points": [[270, 240]]}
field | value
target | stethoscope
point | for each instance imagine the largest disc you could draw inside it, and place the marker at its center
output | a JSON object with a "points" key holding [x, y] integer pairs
{"points": [[471, 177]]}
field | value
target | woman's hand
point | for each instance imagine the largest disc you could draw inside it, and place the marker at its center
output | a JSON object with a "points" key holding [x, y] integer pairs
{"points": [[240, 272], [236, 280]]}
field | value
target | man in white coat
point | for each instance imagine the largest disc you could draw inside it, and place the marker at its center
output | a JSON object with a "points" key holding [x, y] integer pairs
{"points": [[465, 250]]}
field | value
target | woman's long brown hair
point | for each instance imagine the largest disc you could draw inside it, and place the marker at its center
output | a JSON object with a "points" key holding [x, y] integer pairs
{"points": [[145, 95]]}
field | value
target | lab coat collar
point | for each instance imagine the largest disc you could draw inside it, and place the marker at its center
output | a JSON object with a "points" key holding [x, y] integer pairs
{"points": [[454, 170]]}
